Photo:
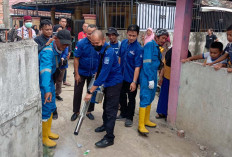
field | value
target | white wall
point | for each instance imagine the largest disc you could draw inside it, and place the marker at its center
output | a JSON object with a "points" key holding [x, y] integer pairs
{"points": [[205, 106], [20, 105]]}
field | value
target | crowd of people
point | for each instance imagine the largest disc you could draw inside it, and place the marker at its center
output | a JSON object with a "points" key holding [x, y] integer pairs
{"points": [[118, 66]]}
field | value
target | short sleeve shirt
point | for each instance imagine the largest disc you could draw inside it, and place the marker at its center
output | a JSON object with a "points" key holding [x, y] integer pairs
{"points": [[209, 59], [131, 57], [228, 50], [210, 40]]}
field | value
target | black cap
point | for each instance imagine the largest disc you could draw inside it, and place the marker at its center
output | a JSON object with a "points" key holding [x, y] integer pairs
{"points": [[64, 36], [112, 30]]}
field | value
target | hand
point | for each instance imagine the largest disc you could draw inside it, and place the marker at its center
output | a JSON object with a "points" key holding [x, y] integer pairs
{"points": [[218, 66], [209, 64], [48, 97], [69, 54], [87, 97], [151, 84], [62, 59], [132, 87], [185, 60], [49, 41], [160, 81], [229, 70], [204, 64], [77, 78]]}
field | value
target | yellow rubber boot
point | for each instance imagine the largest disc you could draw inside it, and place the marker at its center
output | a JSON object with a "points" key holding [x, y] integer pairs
{"points": [[147, 118], [142, 129], [51, 135], [46, 141]]}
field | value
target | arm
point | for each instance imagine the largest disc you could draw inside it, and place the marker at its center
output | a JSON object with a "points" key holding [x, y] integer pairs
{"points": [[76, 73], [136, 75], [33, 33], [119, 54], [119, 60], [106, 67], [88, 96], [147, 60], [216, 39], [138, 64], [192, 58], [45, 69], [161, 76]]}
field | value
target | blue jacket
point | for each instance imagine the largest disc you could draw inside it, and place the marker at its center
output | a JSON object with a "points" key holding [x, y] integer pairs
{"points": [[151, 60], [110, 74], [88, 57], [131, 57], [64, 55], [48, 62]]}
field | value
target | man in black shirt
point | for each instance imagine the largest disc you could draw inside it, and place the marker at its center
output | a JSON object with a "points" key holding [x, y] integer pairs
{"points": [[210, 38], [45, 38]]}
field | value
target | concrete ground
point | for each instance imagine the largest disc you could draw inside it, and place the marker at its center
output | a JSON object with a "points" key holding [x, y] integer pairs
{"points": [[161, 142]]}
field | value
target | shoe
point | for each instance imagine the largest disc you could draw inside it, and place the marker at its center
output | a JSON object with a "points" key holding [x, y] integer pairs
{"points": [[66, 84], [120, 118], [141, 129], [59, 98], [104, 143], [90, 116], [46, 141], [51, 135], [147, 121], [74, 116], [55, 115], [128, 123], [100, 129]]}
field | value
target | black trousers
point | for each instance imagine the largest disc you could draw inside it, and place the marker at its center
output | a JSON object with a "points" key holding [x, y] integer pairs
{"points": [[78, 90], [110, 109], [127, 109]]}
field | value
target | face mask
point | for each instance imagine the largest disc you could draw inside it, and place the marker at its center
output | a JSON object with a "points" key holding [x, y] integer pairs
{"points": [[28, 24], [57, 50], [97, 48]]}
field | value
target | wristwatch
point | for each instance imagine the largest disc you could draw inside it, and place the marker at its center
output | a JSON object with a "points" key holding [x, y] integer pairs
{"points": [[89, 92], [135, 82]]}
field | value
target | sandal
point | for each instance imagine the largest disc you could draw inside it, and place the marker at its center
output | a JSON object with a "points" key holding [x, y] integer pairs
{"points": [[160, 116]]}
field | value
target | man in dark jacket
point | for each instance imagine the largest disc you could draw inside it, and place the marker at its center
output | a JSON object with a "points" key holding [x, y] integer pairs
{"points": [[45, 38]]}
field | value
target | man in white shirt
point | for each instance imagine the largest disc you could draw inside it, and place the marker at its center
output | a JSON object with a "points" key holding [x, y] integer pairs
{"points": [[24, 31]]}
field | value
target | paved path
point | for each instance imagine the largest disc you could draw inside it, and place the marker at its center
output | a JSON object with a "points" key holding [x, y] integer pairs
{"points": [[161, 142]]}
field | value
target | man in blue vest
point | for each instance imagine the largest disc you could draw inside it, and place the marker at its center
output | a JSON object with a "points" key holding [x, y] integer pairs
{"points": [[130, 58], [49, 59], [85, 66], [110, 75]]}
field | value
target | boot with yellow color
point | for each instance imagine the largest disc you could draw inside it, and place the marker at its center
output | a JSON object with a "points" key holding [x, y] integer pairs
{"points": [[147, 121], [46, 141], [51, 135], [142, 130]]}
